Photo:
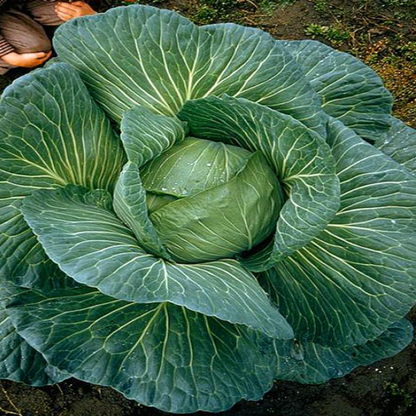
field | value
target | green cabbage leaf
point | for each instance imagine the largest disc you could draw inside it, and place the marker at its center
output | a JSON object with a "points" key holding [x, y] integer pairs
{"points": [[189, 213]]}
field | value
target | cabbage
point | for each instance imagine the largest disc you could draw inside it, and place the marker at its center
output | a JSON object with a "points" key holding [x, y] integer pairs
{"points": [[189, 213]]}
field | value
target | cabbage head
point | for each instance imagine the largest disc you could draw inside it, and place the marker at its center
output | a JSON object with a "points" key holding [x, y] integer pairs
{"points": [[189, 213]]}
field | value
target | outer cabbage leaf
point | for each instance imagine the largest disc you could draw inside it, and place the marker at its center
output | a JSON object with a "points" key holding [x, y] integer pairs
{"points": [[358, 276], [311, 363], [158, 354], [67, 139], [400, 144], [301, 159], [140, 55], [18, 360], [350, 90], [81, 233]]}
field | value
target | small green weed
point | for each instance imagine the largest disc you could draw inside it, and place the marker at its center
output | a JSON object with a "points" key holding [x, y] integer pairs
{"points": [[393, 389], [205, 14], [269, 6], [408, 51], [321, 5], [313, 30], [334, 33], [211, 11]]}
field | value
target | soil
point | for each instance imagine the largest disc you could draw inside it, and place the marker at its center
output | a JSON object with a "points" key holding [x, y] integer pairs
{"points": [[383, 34]]}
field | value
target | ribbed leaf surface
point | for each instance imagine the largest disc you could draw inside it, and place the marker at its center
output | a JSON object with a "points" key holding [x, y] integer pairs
{"points": [[79, 232], [158, 354], [158, 59], [350, 90], [51, 134], [400, 144], [358, 276]]}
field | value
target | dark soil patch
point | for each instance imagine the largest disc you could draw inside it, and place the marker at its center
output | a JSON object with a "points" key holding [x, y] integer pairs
{"points": [[383, 34]]}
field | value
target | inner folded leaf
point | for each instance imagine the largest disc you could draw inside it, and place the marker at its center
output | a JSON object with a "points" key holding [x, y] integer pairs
{"points": [[301, 160]]}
